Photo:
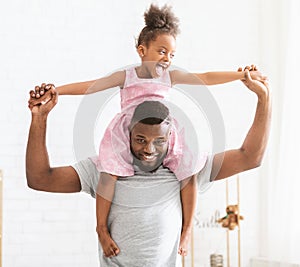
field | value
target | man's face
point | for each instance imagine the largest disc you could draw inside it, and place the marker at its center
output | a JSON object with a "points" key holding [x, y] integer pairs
{"points": [[149, 144]]}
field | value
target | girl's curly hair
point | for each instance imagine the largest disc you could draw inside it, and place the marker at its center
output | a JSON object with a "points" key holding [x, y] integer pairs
{"points": [[158, 21]]}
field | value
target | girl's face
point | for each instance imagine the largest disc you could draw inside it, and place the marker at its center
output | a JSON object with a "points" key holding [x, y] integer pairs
{"points": [[158, 55]]}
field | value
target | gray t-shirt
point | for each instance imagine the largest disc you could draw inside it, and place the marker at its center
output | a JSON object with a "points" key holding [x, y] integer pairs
{"points": [[145, 216]]}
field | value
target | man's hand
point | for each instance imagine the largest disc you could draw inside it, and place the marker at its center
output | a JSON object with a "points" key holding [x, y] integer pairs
{"points": [[40, 94], [254, 73], [259, 87], [45, 106]]}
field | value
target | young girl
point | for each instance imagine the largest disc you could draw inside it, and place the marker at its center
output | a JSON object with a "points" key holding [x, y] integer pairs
{"points": [[151, 80]]}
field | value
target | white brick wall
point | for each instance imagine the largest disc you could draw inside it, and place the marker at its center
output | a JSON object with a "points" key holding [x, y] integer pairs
{"points": [[67, 41]]}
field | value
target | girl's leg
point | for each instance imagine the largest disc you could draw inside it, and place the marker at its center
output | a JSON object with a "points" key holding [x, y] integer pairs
{"points": [[188, 199], [104, 196]]}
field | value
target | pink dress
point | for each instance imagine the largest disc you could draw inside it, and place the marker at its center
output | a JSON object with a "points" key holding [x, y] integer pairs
{"points": [[114, 153]]}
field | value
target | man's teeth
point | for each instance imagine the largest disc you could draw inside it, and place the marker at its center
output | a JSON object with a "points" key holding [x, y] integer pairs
{"points": [[149, 157]]}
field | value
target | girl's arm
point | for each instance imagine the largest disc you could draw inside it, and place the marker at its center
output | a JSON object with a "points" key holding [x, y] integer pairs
{"points": [[89, 87], [212, 78], [219, 77]]}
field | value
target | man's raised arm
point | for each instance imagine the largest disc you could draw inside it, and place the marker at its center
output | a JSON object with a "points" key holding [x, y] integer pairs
{"points": [[39, 174], [250, 154]]}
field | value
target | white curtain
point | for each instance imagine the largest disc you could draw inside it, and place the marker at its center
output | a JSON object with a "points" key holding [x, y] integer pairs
{"points": [[280, 202]]}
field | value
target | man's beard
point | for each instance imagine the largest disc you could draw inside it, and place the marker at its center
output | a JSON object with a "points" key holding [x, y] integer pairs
{"points": [[145, 167]]}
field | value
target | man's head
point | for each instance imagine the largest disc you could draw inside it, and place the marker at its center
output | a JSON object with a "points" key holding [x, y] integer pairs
{"points": [[149, 134]]}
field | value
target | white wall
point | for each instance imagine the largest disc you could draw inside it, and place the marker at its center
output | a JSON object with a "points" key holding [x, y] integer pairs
{"points": [[66, 41]]}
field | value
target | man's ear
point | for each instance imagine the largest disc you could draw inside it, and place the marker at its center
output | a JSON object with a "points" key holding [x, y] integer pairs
{"points": [[141, 50], [131, 126]]}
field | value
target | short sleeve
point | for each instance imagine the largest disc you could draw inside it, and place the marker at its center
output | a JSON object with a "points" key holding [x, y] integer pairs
{"points": [[88, 176], [203, 177]]}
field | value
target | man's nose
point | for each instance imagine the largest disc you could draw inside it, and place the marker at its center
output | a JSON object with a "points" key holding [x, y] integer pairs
{"points": [[149, 148]]}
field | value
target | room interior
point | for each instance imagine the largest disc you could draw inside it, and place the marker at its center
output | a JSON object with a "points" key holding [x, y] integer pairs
{"points": [[67, 41]]}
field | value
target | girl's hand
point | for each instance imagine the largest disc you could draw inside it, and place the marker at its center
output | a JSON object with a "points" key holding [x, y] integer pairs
{"points": [[40, 90], [39, 95], [45, 107], [254, 73], [260, 87]]}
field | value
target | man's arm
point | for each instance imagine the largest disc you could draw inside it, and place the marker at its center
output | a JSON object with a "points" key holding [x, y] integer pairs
{"points": [[250, 154], [39, 174]]}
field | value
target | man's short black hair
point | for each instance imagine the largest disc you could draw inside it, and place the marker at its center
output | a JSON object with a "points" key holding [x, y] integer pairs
{"points": [[150, 112]]}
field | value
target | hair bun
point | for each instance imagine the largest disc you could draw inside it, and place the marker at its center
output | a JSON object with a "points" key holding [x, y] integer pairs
{"points": [[158, 21], [163, 17]]}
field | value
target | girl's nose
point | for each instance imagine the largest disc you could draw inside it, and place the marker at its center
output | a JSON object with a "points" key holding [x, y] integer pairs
{"points": [[167, 58]]}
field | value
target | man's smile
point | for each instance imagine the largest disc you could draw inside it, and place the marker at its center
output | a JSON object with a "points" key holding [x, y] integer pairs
{"points": [[149, 158]]}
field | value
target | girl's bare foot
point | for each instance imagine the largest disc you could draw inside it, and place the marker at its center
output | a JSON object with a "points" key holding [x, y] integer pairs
{"points": [[184, 241], [108, 245]]}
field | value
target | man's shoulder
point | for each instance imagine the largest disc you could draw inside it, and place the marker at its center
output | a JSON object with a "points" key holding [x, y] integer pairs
{"points": [[88, 175]]}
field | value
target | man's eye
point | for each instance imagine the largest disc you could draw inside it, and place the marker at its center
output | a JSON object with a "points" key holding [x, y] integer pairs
{"points": [[162, 52], [140, 141], [160, 142], [172, 55]]}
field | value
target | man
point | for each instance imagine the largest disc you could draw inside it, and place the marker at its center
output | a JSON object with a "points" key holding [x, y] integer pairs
{"points": [[148, 223]]}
